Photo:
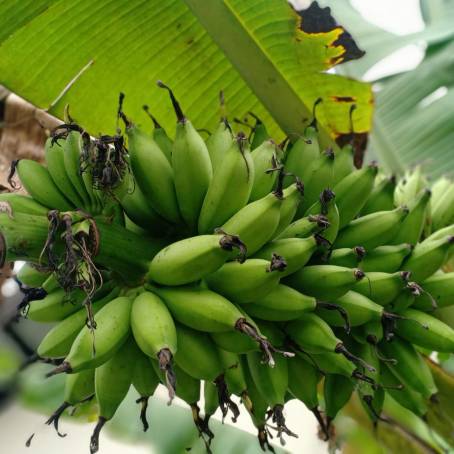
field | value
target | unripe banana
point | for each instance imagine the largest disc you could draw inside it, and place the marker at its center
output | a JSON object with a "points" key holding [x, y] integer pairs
{"points": [[325, 282], [78, 389], [272, 384], [413, 225], [353, 191], [410, 368], [293, 195], [112, 382], [13, 203], [331, 363], [442, 210], [427, 257], [144, 380], [343, 162], [257, 407], [438, 288], [230, 187], [193, 258], [38, 183], [404, 395], [55, 161], [382, 288], [260, 133], [297, 252], [218, 143], [409, 186], [31, 276], [442, 233], [246, 282], [372, 230], [264, 159], [337, 390], [191, 165], [58, 341], [160, 137], [153, 173], [155, 333], [72, 160], [438, 188], [347, 257], [197, 354], [425, 331], [207, 311], [387, 259], [320, 177], [304, 227], [382, 196], [234, 342], [256, 223], [406, 297], [283, 303], [87, 352], [302, 154], [326, 206], [234, 374], [359, 309]]}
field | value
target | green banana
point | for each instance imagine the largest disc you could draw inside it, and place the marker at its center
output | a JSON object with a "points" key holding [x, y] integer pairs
{"points": [[406, 297], [425, 331], [382, 288], [193, 258], [410, 368], [218, 143], [372, 230], [13, 203], [264, 159], [58, 341], [405, 396], [297, 252], [359, 310], [305, 227], [427, 257], [260, 133], [72, 161], [292, 198], [78, 389], [230, 187], [337, 390], [191, 165], [55, 161], [256, 223], [409, 186], [325, 282], [331, 363], [112, 330], [386, 259], [302, 154], [31, 276], [326, 206], [234, 374], [320, 176], [38, 183], [353, 191], [155, 333], [144, 380], [413, 225], [438, 288], [439, 187], [442, 209], [234, 342], [347, 257], [204, 310], [112, 382], [272, 384], [283, 303], [153, 174], [343, 162], [303, 378], [160, 136], [246, 282], [381, 197]]}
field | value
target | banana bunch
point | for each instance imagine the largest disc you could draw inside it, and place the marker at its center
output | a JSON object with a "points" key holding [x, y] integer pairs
{"points": [[231, 266]]}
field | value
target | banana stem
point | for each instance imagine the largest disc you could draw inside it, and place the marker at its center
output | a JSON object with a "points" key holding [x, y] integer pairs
{"points": [[55, 417], [94, 440], [225, 402], [143, 411]]}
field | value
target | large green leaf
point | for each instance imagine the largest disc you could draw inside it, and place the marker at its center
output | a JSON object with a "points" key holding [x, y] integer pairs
{"points": [[133, 43], [410, 127]]}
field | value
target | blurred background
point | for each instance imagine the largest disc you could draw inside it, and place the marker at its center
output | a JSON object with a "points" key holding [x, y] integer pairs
{"points": [[410, 61]]}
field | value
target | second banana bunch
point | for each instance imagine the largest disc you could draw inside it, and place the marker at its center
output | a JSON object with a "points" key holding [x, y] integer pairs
{"points": [[230, 266]]}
